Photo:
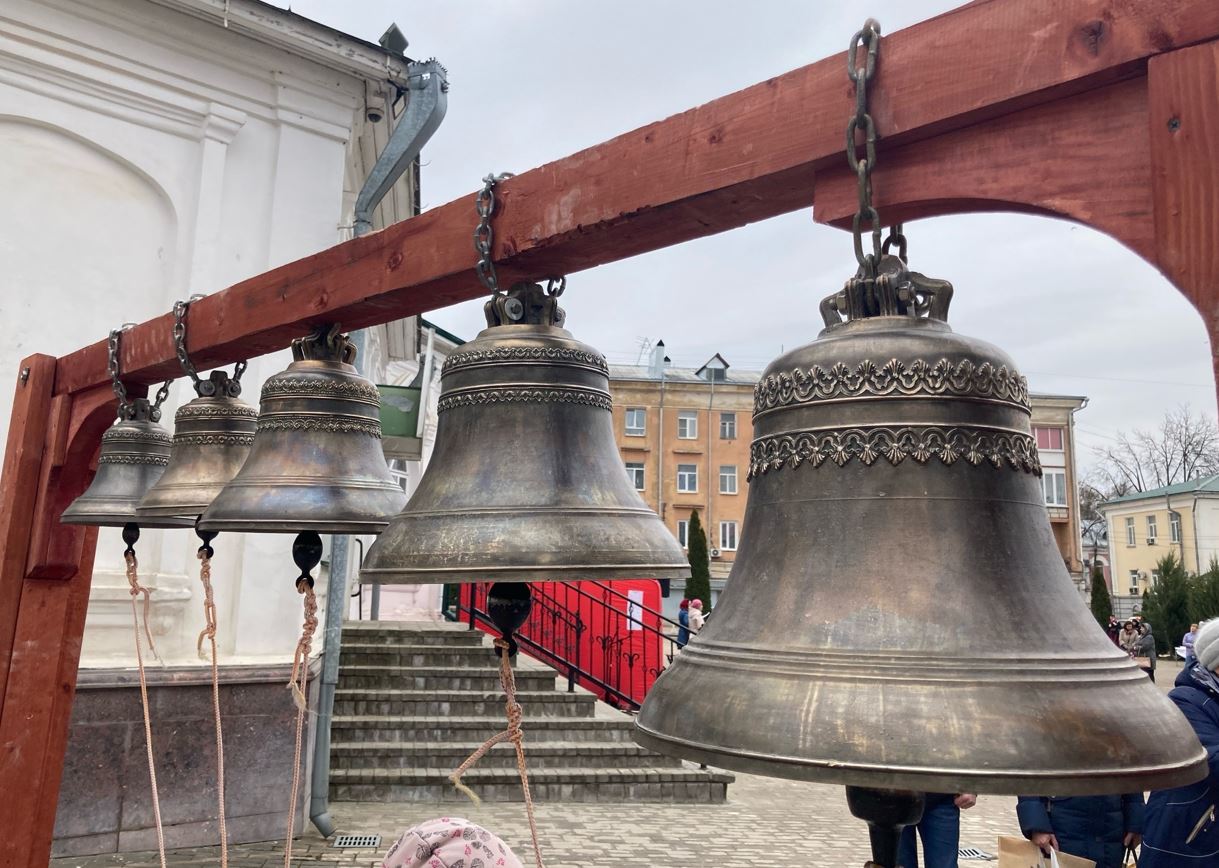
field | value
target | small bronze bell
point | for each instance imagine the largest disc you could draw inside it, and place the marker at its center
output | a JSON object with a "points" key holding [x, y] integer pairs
{"points": [[898, 616], [212, 437], [525, 483], [316, 463], [134, 454]]}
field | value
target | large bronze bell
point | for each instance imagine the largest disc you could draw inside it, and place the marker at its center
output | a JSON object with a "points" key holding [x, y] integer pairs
{"points": [[525, 483], [212, 437], [134, 454], [316, 463], [898, 615]]}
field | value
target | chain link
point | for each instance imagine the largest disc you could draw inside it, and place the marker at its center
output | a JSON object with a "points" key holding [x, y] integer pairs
{"points": [[112, 367], [861, 75], [180, 308], [484, 235]]}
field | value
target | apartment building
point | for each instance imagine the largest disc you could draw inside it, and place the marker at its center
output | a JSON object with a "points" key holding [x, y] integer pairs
{"points": [[684, 435]]}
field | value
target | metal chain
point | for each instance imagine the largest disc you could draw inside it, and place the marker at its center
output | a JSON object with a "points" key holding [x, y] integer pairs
{"points": [[895, 236], [180, 311], [484, 236], [112, 368], [180, 340], [861, 75]]}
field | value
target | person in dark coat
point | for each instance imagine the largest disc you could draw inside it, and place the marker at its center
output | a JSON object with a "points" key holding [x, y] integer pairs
{"points": [[1100, 828], [1182, 831], [1147, 648]]}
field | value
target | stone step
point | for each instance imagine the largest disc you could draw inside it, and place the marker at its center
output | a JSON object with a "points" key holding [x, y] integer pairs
{"points": [[439, 678], [395, 633], [460, 703], [369, 654], [449, 755], [546, 785], [379, 728]]}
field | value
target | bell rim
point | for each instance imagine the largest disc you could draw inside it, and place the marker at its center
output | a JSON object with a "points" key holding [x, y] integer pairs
{"points": [[498, 573], [100, 519], [1097, 782], [292, 525], [168, 517]]}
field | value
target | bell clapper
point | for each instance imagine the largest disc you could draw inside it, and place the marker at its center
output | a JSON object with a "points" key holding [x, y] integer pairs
{"points": [[886, 812], [307, 553], [508, 605]]}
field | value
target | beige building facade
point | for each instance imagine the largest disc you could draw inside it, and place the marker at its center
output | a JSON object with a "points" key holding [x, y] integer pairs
{"points": [[684, 435], [1145, 526], [1054, 430]]}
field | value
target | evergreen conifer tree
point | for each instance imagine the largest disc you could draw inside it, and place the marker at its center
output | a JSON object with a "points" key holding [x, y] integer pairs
{"points": [[698, 586], [1204, 595], [1102, 603], [1166, 605]]}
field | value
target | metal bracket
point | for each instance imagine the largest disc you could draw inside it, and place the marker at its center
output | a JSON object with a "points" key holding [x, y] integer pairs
{"points": [[426, 105]]}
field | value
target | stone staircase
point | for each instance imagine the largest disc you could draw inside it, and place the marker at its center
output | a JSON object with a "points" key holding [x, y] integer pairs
{"points": [[414, 700]]}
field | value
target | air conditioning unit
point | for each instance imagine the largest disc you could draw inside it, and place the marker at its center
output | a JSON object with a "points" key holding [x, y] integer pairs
{"points": [[715, 553], [1151, 540]]}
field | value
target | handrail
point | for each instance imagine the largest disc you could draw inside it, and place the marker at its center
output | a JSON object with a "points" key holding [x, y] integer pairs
{"points": [[615, 652]]}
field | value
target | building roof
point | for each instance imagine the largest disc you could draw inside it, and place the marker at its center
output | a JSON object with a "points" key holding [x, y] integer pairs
{"points": [[443, 333], [732, 377], [1202, 485], [272, 24]]}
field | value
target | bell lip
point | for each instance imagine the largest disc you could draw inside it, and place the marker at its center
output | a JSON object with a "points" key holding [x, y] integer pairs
{"points": [[292, 525], [1010, 782], [495, 573], [111, 519], [168, 517]]}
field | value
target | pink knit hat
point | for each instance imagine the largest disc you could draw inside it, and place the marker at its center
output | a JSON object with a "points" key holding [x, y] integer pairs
{"points": [[696, 604], [449, 842]]}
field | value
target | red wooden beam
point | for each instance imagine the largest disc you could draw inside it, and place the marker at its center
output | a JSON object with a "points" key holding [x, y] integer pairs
{"points": [[741, 158]]}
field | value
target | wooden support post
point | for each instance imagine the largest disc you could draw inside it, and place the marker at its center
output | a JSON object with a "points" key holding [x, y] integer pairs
{"points": [[1183, 117]]}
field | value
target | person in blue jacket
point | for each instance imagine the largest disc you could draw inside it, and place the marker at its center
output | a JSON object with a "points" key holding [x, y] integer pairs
{"points": [[1181, 829], [683, 624], [1100, 828]]}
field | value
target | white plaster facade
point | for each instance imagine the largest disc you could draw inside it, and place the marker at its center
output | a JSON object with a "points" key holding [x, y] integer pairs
{"points": [[149, 152]]}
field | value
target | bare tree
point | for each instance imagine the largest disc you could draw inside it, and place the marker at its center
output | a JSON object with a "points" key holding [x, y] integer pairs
{"points": [[1184, 447]]}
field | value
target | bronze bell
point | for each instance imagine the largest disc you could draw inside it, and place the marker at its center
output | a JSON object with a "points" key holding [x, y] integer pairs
{"points": [[898, 616], [525, 483], [212, 437], [134, 454], [316, 463]]}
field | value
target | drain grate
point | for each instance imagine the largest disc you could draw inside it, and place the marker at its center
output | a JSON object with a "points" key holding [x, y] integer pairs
{"points": [[974, 853], [356, 841]]}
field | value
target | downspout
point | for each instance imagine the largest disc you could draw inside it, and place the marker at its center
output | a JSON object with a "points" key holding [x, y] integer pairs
{"points": [[1172, 513], [710, 463], [425, 109], [660, 452]]}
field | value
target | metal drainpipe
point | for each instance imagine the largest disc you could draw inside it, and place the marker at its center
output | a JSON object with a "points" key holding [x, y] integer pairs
{"points": [[425, 109]]}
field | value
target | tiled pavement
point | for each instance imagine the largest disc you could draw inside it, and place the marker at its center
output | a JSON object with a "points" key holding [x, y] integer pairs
{"points": [[749, 831]]}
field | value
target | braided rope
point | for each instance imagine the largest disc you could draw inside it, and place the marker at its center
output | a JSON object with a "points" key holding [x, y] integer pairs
{"points": [[298, 684], [209, 633], [133, 579], [514, 734]]}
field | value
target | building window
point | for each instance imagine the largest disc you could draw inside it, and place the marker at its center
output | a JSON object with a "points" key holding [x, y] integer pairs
{"points": [[1174, 526], [636, 422], [687, 425], [634, 470], [1130, 540], [683, 533], [728, 536], [1054, 483], [1155, 578], [1048, 438], [687, 478], [1134, 582], [727, 479], [727, 426], [1151, 530]]}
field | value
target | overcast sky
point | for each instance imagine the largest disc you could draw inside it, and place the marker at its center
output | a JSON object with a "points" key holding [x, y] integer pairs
{"points": [[534, 80]]}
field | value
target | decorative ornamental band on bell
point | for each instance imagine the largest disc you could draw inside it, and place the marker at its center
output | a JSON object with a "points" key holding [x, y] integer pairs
{"points": [[525, 482], [316, 462], [898, 615]]}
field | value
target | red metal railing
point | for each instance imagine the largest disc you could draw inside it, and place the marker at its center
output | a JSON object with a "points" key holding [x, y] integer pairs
{"points": [[608, 637]]}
